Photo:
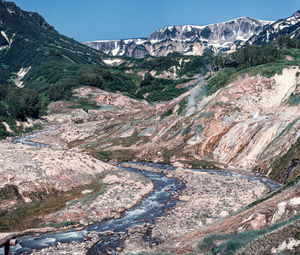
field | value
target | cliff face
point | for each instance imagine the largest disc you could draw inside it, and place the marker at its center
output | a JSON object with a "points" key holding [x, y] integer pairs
{"points": [[287, 27], [252, 124], [195, 40], [249, 124], [188, 39]]}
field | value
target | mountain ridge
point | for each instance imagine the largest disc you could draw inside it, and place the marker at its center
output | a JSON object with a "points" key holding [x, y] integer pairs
{"points": [[189, 39]]}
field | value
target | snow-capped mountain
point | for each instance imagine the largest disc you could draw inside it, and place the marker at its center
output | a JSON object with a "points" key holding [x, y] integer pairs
{"points": [[288, 27], [187, 39]]}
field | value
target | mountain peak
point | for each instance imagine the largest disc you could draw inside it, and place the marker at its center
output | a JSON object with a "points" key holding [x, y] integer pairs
{"points": [[296, 14], [186, 39]]}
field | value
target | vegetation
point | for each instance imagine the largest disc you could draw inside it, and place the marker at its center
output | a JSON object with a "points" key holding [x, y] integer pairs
{"points": [[167, 113], [230, 243], [289, 184], [55, 81], [253, 60], [294, 99], [64, 224], [29, 215], [119, 155], [220, 79], [17, 104], [184, 65], [196, 65], [85, 104], [182, 106], [282, 163], [60, 64], [155, 89], [159, 64]]}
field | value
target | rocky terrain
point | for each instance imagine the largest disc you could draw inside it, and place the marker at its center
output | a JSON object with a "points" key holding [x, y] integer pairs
{"points": [[46, 186], [196, 40], [188, 39], [274, 224], [237, 115], [207, 198], [122, 191], [249, 124], [76, 248], [288, 27], [234, 120]]}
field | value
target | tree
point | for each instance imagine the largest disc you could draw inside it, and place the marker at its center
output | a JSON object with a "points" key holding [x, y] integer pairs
{"points": [[24, 103]]}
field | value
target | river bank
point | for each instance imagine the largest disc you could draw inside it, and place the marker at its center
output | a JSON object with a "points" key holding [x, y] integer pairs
{"points": [[111, 233], [208, 197], [181, 201]]}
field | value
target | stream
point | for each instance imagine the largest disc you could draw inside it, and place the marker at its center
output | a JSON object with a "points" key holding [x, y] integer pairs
{"points": [[152, 206], [111, 232]]}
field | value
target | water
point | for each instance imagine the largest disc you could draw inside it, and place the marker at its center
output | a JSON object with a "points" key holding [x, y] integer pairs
{"points": [[272, 185], [152, 206], [27, 140]]}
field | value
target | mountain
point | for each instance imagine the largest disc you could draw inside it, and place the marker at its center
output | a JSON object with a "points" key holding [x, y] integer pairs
{"points": [[287, 27], [196, 40], [33, 54], [27, 40], [188, 39]]}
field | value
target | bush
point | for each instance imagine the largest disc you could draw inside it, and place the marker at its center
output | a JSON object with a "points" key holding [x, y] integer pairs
{"points": [[294, 99], [154, 89], [229, 243], [219, 80], [24, 103]]}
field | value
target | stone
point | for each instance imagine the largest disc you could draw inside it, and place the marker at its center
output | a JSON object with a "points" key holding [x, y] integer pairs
{"points": [[184, 198]]}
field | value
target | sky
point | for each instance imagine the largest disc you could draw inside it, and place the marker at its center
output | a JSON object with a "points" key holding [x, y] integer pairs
{"points": [[87, 20]]}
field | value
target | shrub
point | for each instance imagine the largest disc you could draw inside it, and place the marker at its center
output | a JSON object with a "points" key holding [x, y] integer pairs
{"points": [[229, 243], [219, 80]]}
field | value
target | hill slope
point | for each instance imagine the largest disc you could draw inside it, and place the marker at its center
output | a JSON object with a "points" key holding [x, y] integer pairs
{"points": [[247, 119], [26, 39]]}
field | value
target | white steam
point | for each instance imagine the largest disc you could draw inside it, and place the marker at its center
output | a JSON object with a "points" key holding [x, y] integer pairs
{"points": [[199, 92]]}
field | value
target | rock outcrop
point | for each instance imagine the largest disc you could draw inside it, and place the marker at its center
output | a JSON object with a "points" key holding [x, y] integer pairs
{"points": [[188, 39], [196, 40], [245, 125]]}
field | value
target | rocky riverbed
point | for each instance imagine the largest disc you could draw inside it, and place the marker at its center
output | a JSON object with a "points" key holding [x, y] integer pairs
{"points": [[207, 198], [41, 186]]}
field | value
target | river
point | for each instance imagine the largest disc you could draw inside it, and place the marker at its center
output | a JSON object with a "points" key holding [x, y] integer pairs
{"points": [[111, 231]]}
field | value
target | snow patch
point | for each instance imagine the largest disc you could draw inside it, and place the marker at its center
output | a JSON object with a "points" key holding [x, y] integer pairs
{"points": [[5, 36], [116, 49], [20, 76], [7, 127], [140, 41], [112, 61], [3, 47]]}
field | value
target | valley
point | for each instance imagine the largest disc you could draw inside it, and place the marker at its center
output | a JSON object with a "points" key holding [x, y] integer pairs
{"points": [[132, 222], [184, 142]]}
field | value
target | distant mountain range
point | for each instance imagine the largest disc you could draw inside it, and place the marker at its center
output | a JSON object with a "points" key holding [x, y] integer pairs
{"points": [[196, 40]]}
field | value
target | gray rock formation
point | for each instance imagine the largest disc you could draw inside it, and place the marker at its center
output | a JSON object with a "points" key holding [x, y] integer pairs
{"points": [[288, 27], [187, 39]]}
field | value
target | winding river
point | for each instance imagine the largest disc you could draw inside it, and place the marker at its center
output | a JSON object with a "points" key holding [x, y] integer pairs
{"points": [[111, 231]]}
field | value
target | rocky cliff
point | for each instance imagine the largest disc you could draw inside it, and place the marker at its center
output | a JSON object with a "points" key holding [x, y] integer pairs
{"points": [[188, 39], [288, 27], [195, 40], [252, 123]]}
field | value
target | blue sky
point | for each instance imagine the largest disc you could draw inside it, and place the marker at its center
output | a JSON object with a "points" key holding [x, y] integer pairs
{"points": [[88, 20]]}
